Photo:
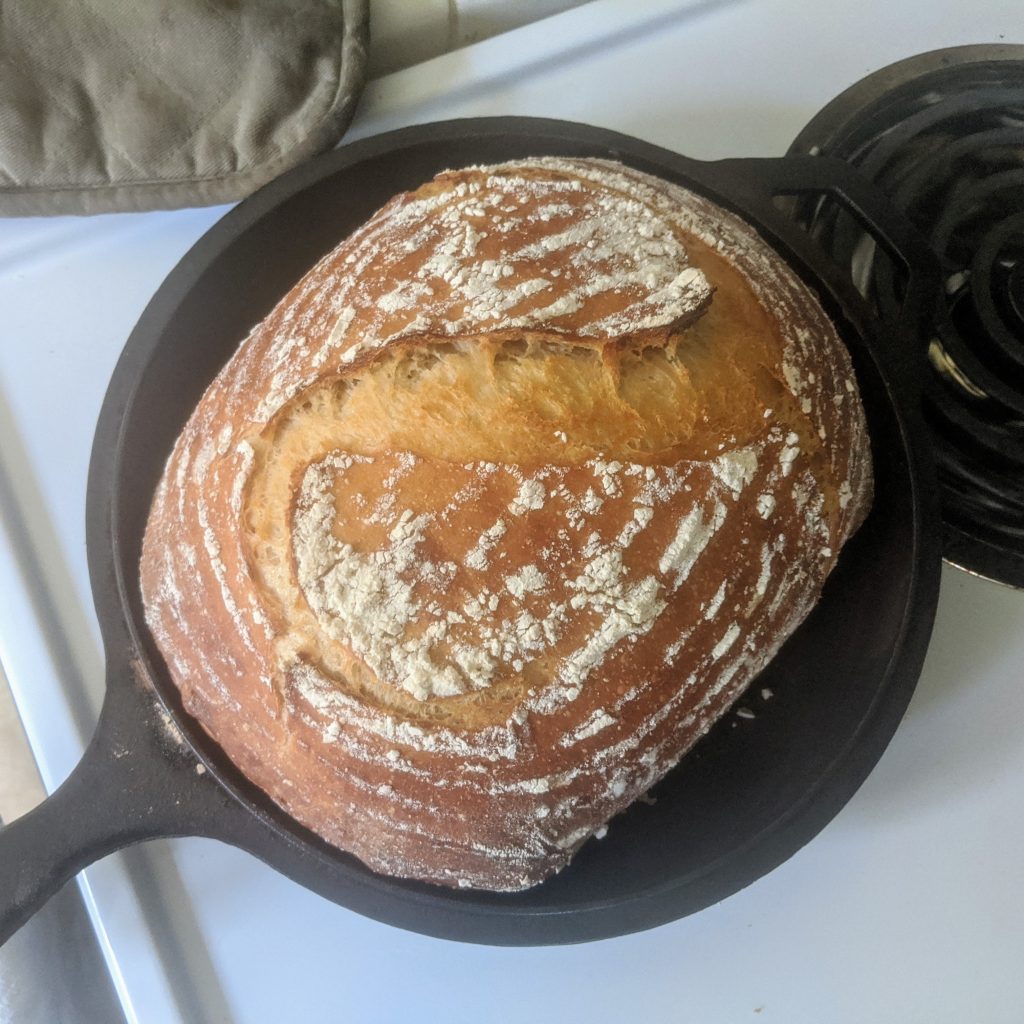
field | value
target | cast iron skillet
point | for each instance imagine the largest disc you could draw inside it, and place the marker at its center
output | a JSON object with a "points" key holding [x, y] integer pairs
{"points": [[743, 801]]}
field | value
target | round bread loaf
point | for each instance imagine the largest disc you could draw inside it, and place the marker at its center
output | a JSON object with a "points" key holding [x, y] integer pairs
{"points": [[499, 509]]}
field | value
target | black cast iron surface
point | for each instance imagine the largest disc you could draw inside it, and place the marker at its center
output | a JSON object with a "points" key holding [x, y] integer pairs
{"points": [[744, 800]]}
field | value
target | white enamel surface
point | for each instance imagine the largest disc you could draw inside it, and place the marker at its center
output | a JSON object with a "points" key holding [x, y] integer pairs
{"points": [[908, 907]]}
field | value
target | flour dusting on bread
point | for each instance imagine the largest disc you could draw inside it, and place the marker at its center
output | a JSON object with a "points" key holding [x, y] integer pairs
{"points": [[500, 508]]}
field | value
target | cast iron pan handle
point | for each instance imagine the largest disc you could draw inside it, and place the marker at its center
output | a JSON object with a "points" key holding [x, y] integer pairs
{"points": [[137, 780], [756, 182]]}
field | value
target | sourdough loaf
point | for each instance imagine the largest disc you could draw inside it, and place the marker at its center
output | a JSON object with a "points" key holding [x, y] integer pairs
{"points": [[499, 509]]}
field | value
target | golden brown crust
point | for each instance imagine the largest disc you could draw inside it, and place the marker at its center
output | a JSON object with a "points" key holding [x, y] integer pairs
{"points": [[499, 509]]}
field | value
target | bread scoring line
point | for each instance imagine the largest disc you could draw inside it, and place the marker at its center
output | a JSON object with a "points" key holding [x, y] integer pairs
{"points": [[456, 292]]}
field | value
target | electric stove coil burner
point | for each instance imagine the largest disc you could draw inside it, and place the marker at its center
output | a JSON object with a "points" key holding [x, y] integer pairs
{"points": [[943, 136]]}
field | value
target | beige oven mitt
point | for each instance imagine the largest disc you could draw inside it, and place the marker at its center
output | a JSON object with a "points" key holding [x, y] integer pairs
{"points": [[143, 104]]}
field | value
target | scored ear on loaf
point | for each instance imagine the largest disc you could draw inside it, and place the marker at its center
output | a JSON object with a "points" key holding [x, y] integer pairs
{"points": [[499, 509]]}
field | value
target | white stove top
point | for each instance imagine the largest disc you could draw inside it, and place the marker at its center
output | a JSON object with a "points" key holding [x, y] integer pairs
{"points": [[908, 907]]}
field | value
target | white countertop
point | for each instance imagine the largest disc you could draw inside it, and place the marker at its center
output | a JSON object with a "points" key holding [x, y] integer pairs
{"points": [[908, 907]]}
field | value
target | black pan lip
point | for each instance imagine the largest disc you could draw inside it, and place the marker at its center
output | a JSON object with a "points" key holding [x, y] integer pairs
{"points": [[454, 913]]}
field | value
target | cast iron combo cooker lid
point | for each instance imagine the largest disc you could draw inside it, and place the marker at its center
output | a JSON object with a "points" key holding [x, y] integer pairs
{"points": [[942, 134]]}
